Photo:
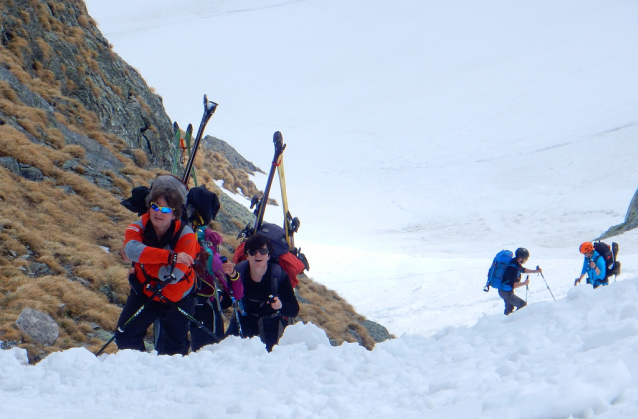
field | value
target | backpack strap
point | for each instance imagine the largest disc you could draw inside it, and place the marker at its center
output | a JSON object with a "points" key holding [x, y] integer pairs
{"points": [[241, 268], [172, 244], [277, 273], [178, 234]]}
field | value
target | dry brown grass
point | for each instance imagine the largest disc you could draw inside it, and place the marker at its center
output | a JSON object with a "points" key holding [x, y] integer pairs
{"points": [[74, 150], [26, 17], [8, 93], [41, 223], [140, 158]]}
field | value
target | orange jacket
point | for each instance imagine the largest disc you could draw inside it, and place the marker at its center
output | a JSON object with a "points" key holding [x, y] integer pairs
{"points": [[156, 262]]}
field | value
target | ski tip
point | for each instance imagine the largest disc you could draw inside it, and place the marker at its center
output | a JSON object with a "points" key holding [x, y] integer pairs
{"points": [[190, 128], [209, 105], [277, 137], [175, 127]]}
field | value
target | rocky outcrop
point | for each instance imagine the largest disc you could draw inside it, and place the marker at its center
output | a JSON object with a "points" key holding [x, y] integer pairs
{"points": [[79, 128], [59, 43], [235, 159], [39, 326], [631, 220]]}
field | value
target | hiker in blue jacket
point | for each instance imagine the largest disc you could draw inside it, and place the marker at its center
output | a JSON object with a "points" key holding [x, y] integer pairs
{"points": [[512, 280], [593, 266]]}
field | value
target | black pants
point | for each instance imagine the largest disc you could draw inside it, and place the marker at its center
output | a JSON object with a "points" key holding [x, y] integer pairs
{"points": [[173, 338], [511, 301], [206, 312], [269, 329]]}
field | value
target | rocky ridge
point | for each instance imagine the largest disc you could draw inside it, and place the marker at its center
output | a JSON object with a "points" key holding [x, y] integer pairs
{"points": [[79, 128]]}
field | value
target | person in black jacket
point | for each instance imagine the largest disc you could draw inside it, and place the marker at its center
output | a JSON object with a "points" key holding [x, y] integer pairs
{"points": [[269, 300], [512, 280]]}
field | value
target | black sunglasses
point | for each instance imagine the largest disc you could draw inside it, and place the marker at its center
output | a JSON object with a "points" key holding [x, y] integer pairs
{"points": [[261, 251]]}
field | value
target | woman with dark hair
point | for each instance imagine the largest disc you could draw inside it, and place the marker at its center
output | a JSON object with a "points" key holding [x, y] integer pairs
{"points": [[269, 300], [163, 249]]}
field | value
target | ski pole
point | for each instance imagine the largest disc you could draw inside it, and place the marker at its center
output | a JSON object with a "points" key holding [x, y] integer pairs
{"points": [[526, 288], [550, 291], [236, 308], [158, 291], [120, 329], [195, 321]]}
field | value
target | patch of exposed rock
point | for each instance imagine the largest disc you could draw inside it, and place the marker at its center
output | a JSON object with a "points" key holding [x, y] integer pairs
{"points": [[631, 220]]}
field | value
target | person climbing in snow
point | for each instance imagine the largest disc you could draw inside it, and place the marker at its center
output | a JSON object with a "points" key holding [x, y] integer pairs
{"points": [[269, 300], [163, 249], [593, 266], [512, 280], [214, 294]]}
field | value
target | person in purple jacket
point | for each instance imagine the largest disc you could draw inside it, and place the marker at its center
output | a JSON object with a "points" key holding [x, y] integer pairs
{"points": [[213, 296]]}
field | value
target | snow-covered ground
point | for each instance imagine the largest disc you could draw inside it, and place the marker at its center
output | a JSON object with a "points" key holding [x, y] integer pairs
{"points": [[574, 358], [423, 137]]}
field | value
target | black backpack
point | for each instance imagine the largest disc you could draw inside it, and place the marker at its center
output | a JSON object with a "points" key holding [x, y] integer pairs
{"points": [[609, 255], [277, 237]]}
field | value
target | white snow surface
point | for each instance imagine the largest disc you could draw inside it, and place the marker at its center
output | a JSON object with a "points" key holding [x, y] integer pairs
{"points": [[572, 358], [423, 137]]}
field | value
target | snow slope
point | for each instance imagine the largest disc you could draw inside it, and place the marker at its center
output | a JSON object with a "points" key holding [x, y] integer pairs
{"points": [[423, 137], [574, 358], [420, 134]]}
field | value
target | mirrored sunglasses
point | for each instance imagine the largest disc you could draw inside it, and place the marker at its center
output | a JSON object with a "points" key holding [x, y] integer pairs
{"points": [[261, 251], [164, 210]]}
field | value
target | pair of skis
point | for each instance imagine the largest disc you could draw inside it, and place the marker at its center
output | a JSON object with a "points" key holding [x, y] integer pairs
{"points": [[184, 144], [291, 225]]}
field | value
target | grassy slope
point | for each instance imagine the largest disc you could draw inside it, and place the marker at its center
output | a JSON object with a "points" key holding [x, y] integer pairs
{"points": [[53, 232]]}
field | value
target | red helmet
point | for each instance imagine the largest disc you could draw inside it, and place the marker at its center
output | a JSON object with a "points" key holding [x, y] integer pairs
{"points": [[586, 247]]}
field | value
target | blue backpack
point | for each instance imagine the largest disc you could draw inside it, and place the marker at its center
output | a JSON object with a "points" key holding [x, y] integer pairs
{"points": [[494, 276]]}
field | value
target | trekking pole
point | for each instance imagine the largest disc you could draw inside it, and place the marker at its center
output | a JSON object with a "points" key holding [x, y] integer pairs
{"points": [[195, 321], [236, 308], [550, 291], [120, 329]]}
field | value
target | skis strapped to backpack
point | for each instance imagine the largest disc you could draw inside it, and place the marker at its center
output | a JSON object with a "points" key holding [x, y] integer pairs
{"points": [[260, 203], [291, 225], [209, 110], [291, 260]]}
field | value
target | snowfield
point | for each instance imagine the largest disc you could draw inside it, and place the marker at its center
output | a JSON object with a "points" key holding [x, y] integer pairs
{"points": [[574, 358], [427, 135], [423, 137]]}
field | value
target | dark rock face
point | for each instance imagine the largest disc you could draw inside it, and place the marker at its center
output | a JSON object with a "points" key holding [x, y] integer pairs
{"points": [[60, 44], [11, 164], [631, 220]]}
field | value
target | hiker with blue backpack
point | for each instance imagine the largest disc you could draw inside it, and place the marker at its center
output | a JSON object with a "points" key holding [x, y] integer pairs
{"points": [[594, 266], [505, 275]]}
